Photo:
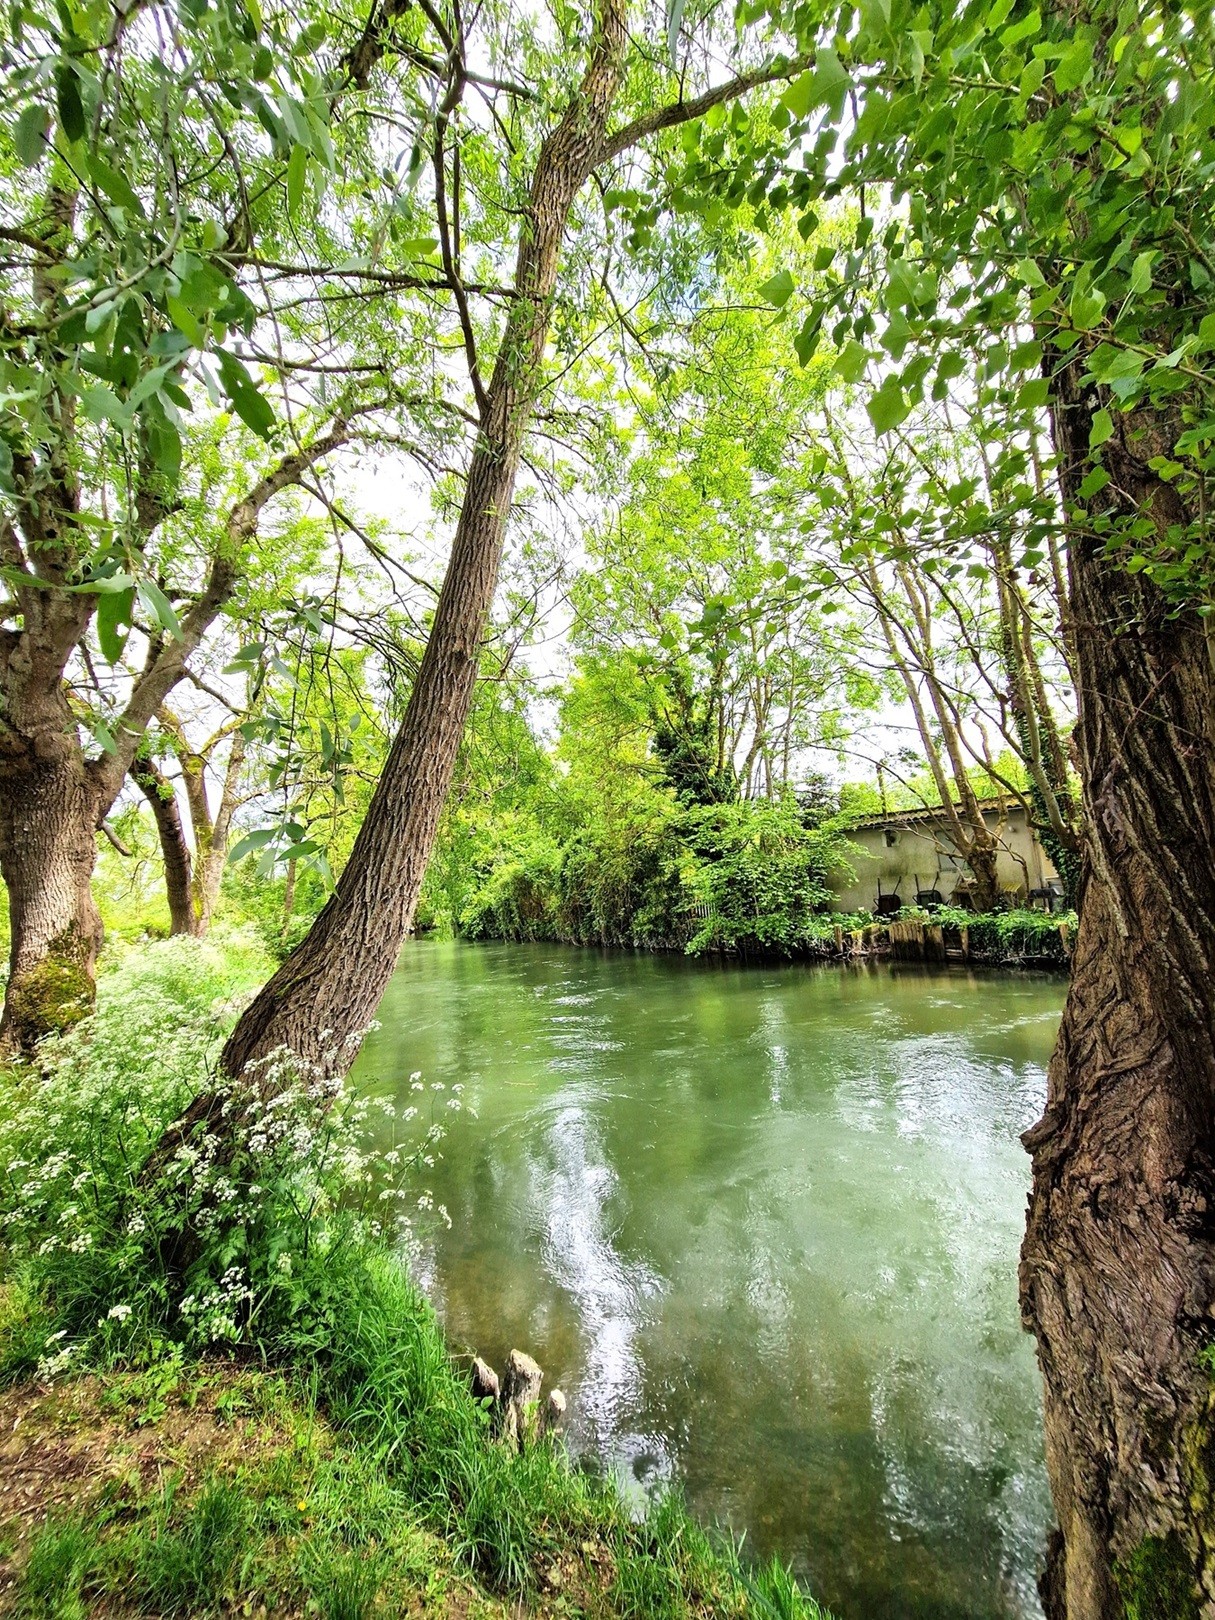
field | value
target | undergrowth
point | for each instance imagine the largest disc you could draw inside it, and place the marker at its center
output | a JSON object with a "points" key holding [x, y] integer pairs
{"points": [[291, 1264]]}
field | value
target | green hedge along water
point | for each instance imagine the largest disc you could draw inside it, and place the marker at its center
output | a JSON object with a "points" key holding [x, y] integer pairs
{"points": [[761, 1225]]}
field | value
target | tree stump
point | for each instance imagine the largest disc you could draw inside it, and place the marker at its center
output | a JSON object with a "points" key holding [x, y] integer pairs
{"points": [[516, 1416], [554, 1412], [521, 1399], [485, 1385]]}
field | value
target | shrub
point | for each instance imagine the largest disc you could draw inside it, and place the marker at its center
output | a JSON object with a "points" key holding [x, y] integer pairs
{"points": [[1019, 935], [742, 877], [93, 1210]]}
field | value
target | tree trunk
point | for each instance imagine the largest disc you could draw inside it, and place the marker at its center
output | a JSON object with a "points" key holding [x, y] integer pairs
{"points": [[48, 822], [323, 997], [175, 852], [1118, 1263], [288, 902], [213, 859], [52, 800], [980, 856]]}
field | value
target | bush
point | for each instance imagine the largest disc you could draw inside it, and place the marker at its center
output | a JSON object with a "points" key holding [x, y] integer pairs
{"points": [[1015, 936], [94, 1209], [747, 877]]}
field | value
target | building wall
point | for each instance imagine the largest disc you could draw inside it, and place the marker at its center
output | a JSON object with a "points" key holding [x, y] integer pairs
{"points": [[923, 856]]}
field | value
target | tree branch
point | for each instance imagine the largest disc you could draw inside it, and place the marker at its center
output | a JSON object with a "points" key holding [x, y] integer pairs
{"points": [[683, 112], [167, 657]]}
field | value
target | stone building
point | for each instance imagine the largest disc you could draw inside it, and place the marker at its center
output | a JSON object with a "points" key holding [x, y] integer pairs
{"points": [[908, 857]]}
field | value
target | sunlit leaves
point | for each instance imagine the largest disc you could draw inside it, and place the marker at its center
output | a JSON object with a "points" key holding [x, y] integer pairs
{"points": [[247, 399], [778, 289], [888, 407], [114, 610]]}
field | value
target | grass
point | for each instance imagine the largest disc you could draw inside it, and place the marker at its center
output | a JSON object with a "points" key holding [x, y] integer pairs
{"points": [[237, 1496], [233, 1492], [282, 1430]]}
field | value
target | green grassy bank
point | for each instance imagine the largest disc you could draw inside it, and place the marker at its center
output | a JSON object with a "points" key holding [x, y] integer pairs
{"points": [[272, 1424]]}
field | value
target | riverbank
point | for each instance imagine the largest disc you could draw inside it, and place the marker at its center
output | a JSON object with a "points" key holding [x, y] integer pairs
{"points": [[280, 1427], [1018, 938]]}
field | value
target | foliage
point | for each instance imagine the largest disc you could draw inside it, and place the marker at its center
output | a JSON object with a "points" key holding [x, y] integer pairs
{"points": [[1049, 229], [93, 1206], [747, 877], [1016, 935]]}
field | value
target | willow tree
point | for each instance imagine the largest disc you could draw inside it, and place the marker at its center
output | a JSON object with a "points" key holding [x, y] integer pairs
{"points": [[691, 576], [1052, 225], [563, 109], [151, 197]]}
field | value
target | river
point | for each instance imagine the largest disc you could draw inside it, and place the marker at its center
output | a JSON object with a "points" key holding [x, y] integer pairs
{"points": [[761, 1225]]}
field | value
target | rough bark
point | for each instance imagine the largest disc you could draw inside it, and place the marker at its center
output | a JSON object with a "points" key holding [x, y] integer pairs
{"points": [[175, 851], [48, 818], [326, 992], [1118, 1263], [53, 797]]}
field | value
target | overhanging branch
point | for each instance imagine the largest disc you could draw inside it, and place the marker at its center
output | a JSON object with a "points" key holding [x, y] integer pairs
{"points": [[684, 112]]}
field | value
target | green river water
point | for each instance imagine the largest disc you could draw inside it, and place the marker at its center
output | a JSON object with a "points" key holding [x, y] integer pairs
{"points": [[761, 1225]]}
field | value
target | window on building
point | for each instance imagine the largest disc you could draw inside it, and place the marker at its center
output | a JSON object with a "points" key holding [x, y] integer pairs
{"points": [[892, 838]]}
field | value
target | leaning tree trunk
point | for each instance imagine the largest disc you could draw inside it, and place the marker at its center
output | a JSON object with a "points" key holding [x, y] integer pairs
{"points": [[324, 995], [174, 850], [1118, 1263], [48, 823]]}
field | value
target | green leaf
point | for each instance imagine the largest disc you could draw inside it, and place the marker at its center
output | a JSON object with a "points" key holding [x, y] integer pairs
{"points": [[247, 400], [246, 658], [799, 97], [1074, 66], [1085, 308], [103, 736], [1141, 272], [297, 176], [888, 407], [29, 134], [826, 85], [67, 99], [778, 289], [101, 404], [160, 608], [674, 18], [185, 320], [257, 839], [1028, 272], [114, 185], [1029, 25], [1032, 395], [114, 610], [1101, 430], [851, 361]]}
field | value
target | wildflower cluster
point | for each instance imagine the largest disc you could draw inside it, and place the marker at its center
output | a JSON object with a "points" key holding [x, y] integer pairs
{"points": [[236, 1231]]}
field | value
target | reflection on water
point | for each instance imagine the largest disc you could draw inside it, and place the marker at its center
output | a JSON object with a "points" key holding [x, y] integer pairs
{"points": [[761, 1224]]}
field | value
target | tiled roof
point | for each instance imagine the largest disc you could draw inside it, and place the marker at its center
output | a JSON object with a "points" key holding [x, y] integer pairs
{"points": [[930, 812]]}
